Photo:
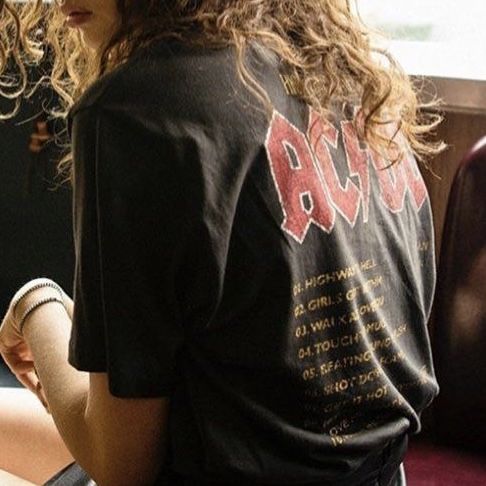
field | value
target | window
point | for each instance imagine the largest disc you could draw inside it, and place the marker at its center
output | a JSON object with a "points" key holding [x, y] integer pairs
{"points": [[442, 38]]}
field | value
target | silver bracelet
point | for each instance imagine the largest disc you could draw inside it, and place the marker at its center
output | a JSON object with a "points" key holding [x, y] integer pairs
{"points": [[40, 285], [35, 306]]}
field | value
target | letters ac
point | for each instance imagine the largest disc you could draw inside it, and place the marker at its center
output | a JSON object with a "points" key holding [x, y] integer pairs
{"points": [[309, 188]]}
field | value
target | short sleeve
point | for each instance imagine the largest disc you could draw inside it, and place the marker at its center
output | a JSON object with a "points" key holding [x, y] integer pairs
{"points": [[151, 238]]}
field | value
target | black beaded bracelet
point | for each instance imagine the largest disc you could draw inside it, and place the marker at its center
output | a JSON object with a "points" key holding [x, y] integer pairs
{"points": [[35, 306], [40, 285]]}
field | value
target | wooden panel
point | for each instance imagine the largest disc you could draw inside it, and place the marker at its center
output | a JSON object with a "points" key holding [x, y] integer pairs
{"points": [[460, 131]]}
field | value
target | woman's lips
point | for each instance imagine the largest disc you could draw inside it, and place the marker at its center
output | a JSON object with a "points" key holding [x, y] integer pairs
{"points": [[76, 19]]}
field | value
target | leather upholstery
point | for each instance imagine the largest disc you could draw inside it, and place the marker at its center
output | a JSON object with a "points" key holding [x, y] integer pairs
{"points": [[459, 333]]}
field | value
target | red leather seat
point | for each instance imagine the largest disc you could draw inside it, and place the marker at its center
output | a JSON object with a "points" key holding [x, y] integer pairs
{"points": [[459, 333], [456, 453]]}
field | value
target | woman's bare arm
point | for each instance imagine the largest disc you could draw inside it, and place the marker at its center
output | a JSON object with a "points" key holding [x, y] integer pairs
{"points": [[96, 427]]}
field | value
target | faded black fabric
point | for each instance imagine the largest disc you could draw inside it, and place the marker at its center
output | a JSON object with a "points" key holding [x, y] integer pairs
{"points": [[275, 282]]}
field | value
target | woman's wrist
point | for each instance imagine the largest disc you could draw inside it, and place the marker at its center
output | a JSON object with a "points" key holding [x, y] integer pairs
{"points": [[35, 296], [34, 307], [32, 286], [32, 297]]}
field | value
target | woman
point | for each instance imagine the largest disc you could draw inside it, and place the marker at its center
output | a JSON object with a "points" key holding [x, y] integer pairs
{"points": [[254, 249]]}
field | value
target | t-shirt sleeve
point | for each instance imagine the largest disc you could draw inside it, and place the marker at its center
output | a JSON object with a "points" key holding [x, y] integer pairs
{"points": [[151, 240]]}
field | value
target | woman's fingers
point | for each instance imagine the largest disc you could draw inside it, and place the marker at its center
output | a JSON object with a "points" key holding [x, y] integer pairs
{"points": [[19, 359], [23, 367], [26, 373], [29, 380]]}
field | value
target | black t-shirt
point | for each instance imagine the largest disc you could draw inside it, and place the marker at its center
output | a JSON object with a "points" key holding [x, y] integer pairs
{"points": [[267, 273]]}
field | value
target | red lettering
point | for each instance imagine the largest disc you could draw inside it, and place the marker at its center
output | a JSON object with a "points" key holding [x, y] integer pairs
{"points": [[308, 184], [401, 176], [346, 199], [415, 181], [391, 181], [300, 189], [358, 163]]}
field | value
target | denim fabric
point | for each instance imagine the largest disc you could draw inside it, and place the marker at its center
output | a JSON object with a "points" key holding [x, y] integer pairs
{"points": [[72, 475]]}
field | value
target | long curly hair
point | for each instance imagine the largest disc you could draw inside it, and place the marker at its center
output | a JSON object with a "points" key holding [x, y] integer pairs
{"points": [[323, 44]]}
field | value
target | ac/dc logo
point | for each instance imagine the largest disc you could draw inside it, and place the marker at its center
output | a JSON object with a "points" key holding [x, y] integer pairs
{"points": [[308, 185]]}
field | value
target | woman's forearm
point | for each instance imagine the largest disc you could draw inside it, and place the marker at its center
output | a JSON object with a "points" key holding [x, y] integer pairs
{"points": [[47, 333], [95, 425]]}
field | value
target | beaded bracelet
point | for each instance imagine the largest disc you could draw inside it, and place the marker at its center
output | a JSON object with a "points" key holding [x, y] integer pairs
{"points": [[35, 306], [39, 285]]}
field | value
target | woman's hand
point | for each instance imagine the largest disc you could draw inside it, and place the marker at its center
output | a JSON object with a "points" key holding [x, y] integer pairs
{"points": [[13, 347], [16, 352]]}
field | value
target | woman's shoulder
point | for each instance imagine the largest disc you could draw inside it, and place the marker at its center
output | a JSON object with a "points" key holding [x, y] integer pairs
{"points": [[178, 79]]}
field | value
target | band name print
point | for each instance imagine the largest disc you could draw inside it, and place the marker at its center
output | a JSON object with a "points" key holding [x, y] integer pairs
{"points": [[309, 187]]}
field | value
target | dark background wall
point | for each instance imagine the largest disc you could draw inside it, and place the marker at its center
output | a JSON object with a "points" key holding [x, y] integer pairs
{"points": [[35, 212]]}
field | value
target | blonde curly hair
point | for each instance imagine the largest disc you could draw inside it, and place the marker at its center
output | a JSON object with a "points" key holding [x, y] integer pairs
{"points": [[323, 43]]}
